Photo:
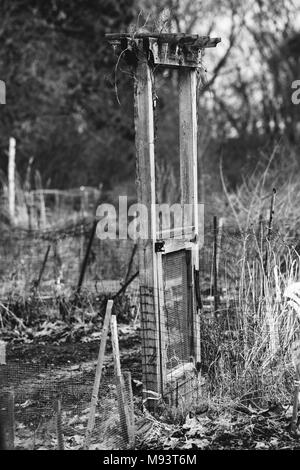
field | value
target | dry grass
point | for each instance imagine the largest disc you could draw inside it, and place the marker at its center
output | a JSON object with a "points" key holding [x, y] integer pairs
{"points": [[246, 351]]}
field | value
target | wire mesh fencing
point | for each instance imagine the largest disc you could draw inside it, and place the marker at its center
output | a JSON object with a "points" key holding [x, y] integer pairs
{"points": [[38, 389], [54, 259], [237, 344]]}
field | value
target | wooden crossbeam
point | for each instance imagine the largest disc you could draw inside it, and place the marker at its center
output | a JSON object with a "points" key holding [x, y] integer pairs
{"points": [[168, 50], [192, 39]]}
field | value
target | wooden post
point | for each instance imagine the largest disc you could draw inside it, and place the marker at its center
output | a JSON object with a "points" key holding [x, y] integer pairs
{"points": [[7, 422], [86, 257], [215, 268], [11, 178], [294, 422], [295, 353], [219, 240], [2, 352], [144, 138], [270, 225], [42, 267], [59, 432], [39, 188], [188, 178], [130, 263], [122, 402], [100, 362], [129, 399]]}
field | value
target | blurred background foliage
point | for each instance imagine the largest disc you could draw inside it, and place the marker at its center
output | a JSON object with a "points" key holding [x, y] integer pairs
{"points": [[64, 111]]}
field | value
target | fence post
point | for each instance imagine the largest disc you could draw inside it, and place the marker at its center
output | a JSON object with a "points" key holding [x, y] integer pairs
{"points": [[7, 425], [59, 432], [86, 257], [11, 178], [216, 295], [129, 397], [2, 352], [39, 189]]}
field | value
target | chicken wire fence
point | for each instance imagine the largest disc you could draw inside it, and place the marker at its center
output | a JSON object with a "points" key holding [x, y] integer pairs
{"points": [[242, 276], [54, 259], [245, 324], [37, 390], [59, 273]]}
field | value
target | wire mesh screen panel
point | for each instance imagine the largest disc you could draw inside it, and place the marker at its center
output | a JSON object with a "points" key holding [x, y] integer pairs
{"points": [[177, 315], [182, 382]]}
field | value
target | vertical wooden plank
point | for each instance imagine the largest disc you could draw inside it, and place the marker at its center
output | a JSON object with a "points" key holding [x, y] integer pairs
{"points": [[86, 257], [188, 140], [59, 432], [11, 178], [162, 333], [100, 362], [129, 400], [2, 352], [7, 425], [144, 139], [188, 173], [39, 187], [122, 402], [215, 269]]}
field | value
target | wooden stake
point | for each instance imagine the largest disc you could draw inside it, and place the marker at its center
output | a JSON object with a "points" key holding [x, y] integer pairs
{"points": [[269, 230], [59, 433], [124, 287], [123, 406], [219, 240], [28, 193], [39, 187], [2, 352], [129, 396], [295, 406], [216, 297], [43, 267], [100, 362], [7, 421], [295, 352], [130, 263], [11, 178], [86, 257]]}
